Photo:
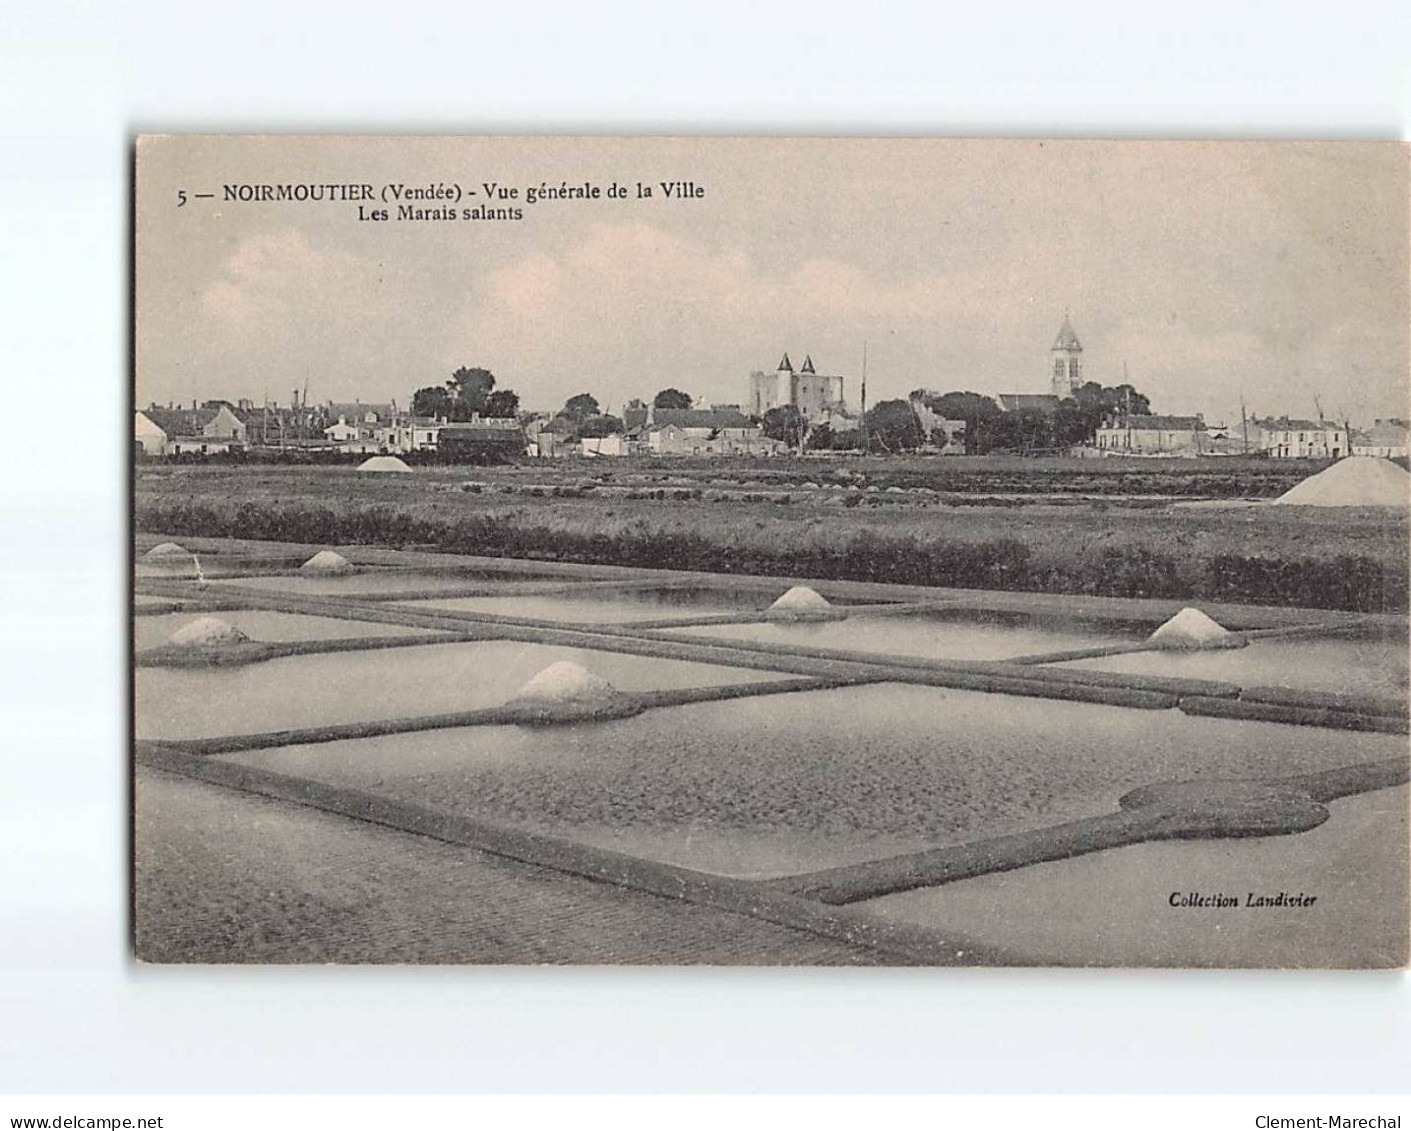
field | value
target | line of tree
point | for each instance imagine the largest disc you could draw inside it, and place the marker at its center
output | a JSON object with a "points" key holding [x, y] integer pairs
{"points": [[891, 427], [989, 428], [469, 392]]}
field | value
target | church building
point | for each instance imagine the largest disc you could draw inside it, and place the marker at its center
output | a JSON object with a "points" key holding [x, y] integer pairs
{"points": [[1065, 375]]}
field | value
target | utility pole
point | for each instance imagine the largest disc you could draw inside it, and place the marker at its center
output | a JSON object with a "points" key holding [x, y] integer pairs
{"points": [[864, 397], [1127, 404]]}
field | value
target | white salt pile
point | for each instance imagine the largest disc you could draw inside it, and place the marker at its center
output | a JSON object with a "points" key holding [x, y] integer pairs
{"points": [[383, 463], [800, 603], [566, 682], [207, 632], [328, 561], [171, 560], [1192, 629], [1359, 481]]}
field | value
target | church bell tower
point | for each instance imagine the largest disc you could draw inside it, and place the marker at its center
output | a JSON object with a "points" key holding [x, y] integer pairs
{"points": [[1067, 366]]}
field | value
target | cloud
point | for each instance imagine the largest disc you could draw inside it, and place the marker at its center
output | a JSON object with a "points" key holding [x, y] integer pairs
{"points": [[632, 307]]}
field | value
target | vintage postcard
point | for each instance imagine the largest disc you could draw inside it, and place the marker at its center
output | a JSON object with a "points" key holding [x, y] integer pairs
{"points": [[770, 551]]}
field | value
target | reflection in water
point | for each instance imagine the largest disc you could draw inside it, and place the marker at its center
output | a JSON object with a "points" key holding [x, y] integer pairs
{"points": [[604, 606]]}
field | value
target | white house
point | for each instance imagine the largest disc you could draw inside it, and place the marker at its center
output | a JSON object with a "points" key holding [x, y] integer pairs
{"points": [[613, 445], [200, 445], [1386, 438], [345, 433], [208, 430], [224, 425], [1284, 438], [149, 437], [1149, 435]]}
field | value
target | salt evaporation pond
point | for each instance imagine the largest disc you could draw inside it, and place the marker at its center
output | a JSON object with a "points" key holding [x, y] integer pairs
{"points": [[1098, 910], [1375, 666], [788, 783], [350, 687], [603, 606], [370, 581], [931, 635], [269, 627]]}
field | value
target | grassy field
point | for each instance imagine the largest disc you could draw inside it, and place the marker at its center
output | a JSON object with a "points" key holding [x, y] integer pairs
{"points": [[1120, 528]]}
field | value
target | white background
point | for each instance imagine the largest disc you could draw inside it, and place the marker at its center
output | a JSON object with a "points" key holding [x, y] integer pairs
{"points": [[79, 80]]}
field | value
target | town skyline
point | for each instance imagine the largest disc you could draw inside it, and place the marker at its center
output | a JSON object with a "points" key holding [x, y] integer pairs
{"points": [[1205, 268]]}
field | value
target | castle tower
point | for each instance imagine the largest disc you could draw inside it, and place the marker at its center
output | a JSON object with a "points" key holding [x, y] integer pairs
{"points": [[1067, 367]]}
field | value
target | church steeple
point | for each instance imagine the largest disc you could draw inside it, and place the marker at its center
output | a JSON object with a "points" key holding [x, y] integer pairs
{"points": [[1067, 339], [1067, 370]]}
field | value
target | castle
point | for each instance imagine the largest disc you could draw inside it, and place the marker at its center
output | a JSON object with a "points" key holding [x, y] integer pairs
{"points": [[817, 396]]}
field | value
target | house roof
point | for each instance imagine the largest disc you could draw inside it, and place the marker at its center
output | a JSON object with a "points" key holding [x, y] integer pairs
{"points": [[357, 409], [1386, 432], [489, 428], [1067, 339], [700, 417], [1015, 402], [180, 421], [1157, 423], [1291, 424]]}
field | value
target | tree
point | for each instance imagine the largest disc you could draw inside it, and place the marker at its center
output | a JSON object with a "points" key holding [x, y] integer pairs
{"points": [[1025, 430], [893, 427], [1081, 415], [469, 388], [978, 411], [672, 398], [787, 425], [820, 439], [581, 407], [502, 404], [434, 400], [598, 426]]}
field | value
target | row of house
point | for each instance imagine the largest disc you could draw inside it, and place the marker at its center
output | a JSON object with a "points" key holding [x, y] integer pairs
{"points": [[1275, 437], [717, 431], [218, 427]]}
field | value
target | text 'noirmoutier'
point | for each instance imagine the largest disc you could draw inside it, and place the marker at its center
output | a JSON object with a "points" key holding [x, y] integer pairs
{"points": [[449, 201]]}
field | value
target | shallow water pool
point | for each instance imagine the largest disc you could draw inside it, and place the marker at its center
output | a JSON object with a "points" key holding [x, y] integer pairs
{"points": [[373, 581], [349, 687], [786, 783], [257, 624], [1114, 908], [929, 635], [605, 606], [1375, 666]]}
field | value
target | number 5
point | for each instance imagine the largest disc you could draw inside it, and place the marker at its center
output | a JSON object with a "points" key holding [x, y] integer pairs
{"points": [[181, 198]]}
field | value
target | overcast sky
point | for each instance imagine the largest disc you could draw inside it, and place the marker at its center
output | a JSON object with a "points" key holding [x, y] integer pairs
{"points": [[1275, 269]]}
